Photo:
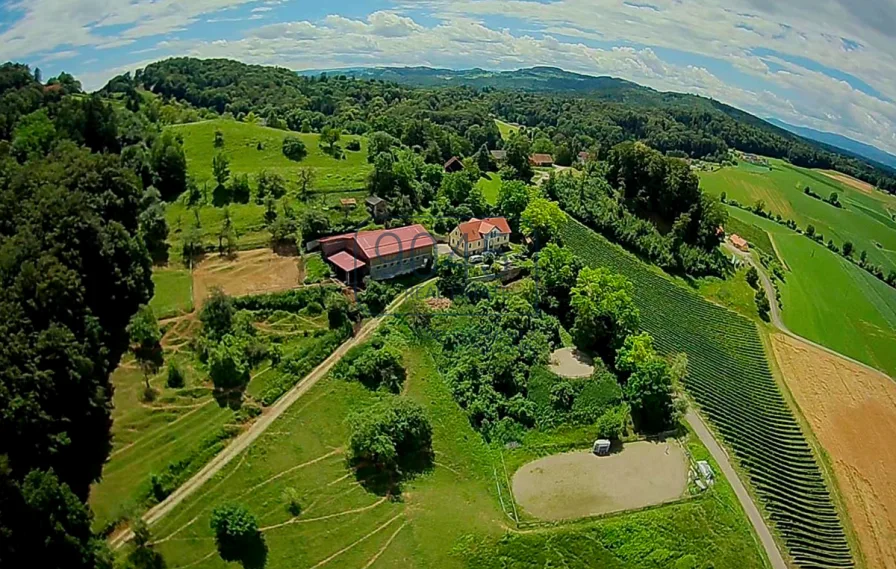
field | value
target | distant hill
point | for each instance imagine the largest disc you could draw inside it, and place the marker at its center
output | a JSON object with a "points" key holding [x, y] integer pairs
{"points": [[841, 142], [534, 79]]}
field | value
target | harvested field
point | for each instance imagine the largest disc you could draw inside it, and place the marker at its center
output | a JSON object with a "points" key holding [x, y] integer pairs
{"points": [[570, 362], [580, 484], [249, 272], [852, 411], [850, 181]]}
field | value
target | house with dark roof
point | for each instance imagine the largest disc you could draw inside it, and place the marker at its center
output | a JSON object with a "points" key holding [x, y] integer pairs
{"points": [[477, 236], [454, 165], [383, 254], [541, 160]]}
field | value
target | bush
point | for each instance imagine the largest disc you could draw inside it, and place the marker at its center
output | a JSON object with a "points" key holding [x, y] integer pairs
{"points": [[753, 277], [217, 315], [391, 437], [237, 535], [227, 363], [294, 148], [175, 376], [292, 501], [374, 365]]}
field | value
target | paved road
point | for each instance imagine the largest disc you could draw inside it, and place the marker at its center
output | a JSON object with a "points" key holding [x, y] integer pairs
{"points": [[746, 501], [250, 435]]}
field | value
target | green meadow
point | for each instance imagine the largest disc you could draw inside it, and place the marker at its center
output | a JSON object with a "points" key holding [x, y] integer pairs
{"points": [[252, 148], [172, 292], [490, 185], [506, 129], [831, 301], [865, 218], [456, 514]]}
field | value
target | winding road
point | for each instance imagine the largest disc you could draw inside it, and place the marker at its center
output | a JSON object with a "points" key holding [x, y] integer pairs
{"points": [[270, 415]]}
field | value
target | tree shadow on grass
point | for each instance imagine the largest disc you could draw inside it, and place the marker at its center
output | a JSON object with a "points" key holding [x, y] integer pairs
{"points": [[231, 398], [251, 552], [386, 481]]}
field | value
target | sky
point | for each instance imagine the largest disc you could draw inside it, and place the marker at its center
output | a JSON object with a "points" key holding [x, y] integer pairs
{"points": [[824, 64]]}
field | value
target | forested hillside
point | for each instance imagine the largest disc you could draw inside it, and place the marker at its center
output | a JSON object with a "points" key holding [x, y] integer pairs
{"points": [[80, 221], [610, 110]]}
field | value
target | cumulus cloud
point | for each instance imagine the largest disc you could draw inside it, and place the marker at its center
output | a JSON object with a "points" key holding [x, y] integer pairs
{"points": [[770, 58]]}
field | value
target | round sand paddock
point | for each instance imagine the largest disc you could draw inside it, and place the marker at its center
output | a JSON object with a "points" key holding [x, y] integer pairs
{"points": [[569, 362], [580, 484]]}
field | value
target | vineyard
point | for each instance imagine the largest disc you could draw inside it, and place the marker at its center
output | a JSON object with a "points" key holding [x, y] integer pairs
{"points": [[729, 377]]}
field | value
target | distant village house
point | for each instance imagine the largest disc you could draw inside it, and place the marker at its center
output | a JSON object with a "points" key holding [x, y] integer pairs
{"points": [[739, 242], [542, 160], [382, 254], [477, 236]]}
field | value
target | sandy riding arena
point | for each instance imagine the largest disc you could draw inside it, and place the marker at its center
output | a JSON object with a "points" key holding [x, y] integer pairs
{"points": [[569, 362], [250, 272], [580, 484], [852, 411]]}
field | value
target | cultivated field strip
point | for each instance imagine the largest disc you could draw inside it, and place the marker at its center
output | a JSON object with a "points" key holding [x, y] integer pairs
{"points": [[730, 378]]}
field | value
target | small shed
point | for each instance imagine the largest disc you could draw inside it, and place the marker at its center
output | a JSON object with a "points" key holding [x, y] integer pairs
{"points": [[348, 203], [601, 447], [454, 165], [377, 207], [499, 155]]}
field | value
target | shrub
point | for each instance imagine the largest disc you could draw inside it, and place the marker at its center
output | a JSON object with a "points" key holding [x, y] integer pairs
{"points": [[175, 376], [374, 366], [227, 363], [236, 533], [294, 148], [217, 315], [291, 500]]}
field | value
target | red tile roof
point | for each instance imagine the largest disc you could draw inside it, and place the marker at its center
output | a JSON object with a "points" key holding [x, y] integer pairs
{"points": [[474, 229], [346, 262], [739, 242], [384, 242]]}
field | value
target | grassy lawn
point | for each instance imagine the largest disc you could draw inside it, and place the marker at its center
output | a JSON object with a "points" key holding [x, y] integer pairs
{"points": [[830, 301], [179, 431], [247, 219], [733, 292], [182, 428], [490, 187], [864, 219], [449, 516], [173, 292], [241, 143], [506, 129]]}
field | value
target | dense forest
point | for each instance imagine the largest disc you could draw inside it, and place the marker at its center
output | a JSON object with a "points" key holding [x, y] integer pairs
{"points": [[80, 222]]}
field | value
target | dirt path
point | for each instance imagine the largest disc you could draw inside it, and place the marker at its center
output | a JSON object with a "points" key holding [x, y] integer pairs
{"points": [[746, 501], [270, 415]]}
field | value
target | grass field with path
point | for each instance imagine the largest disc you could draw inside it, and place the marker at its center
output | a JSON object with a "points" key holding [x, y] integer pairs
{"points": [[865, 218], [829, 300], [730, 378], [241, 142], [450, 516]]}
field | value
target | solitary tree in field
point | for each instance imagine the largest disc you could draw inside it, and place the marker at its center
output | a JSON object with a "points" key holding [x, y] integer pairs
{"points": [[294, 148], [219, 138], [305, 180], [221, 168], [330, 136], [847, 249], [145, 338]]}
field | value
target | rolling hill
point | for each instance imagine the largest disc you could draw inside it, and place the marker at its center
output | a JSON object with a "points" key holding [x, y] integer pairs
{"points": [[840, 142]]}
